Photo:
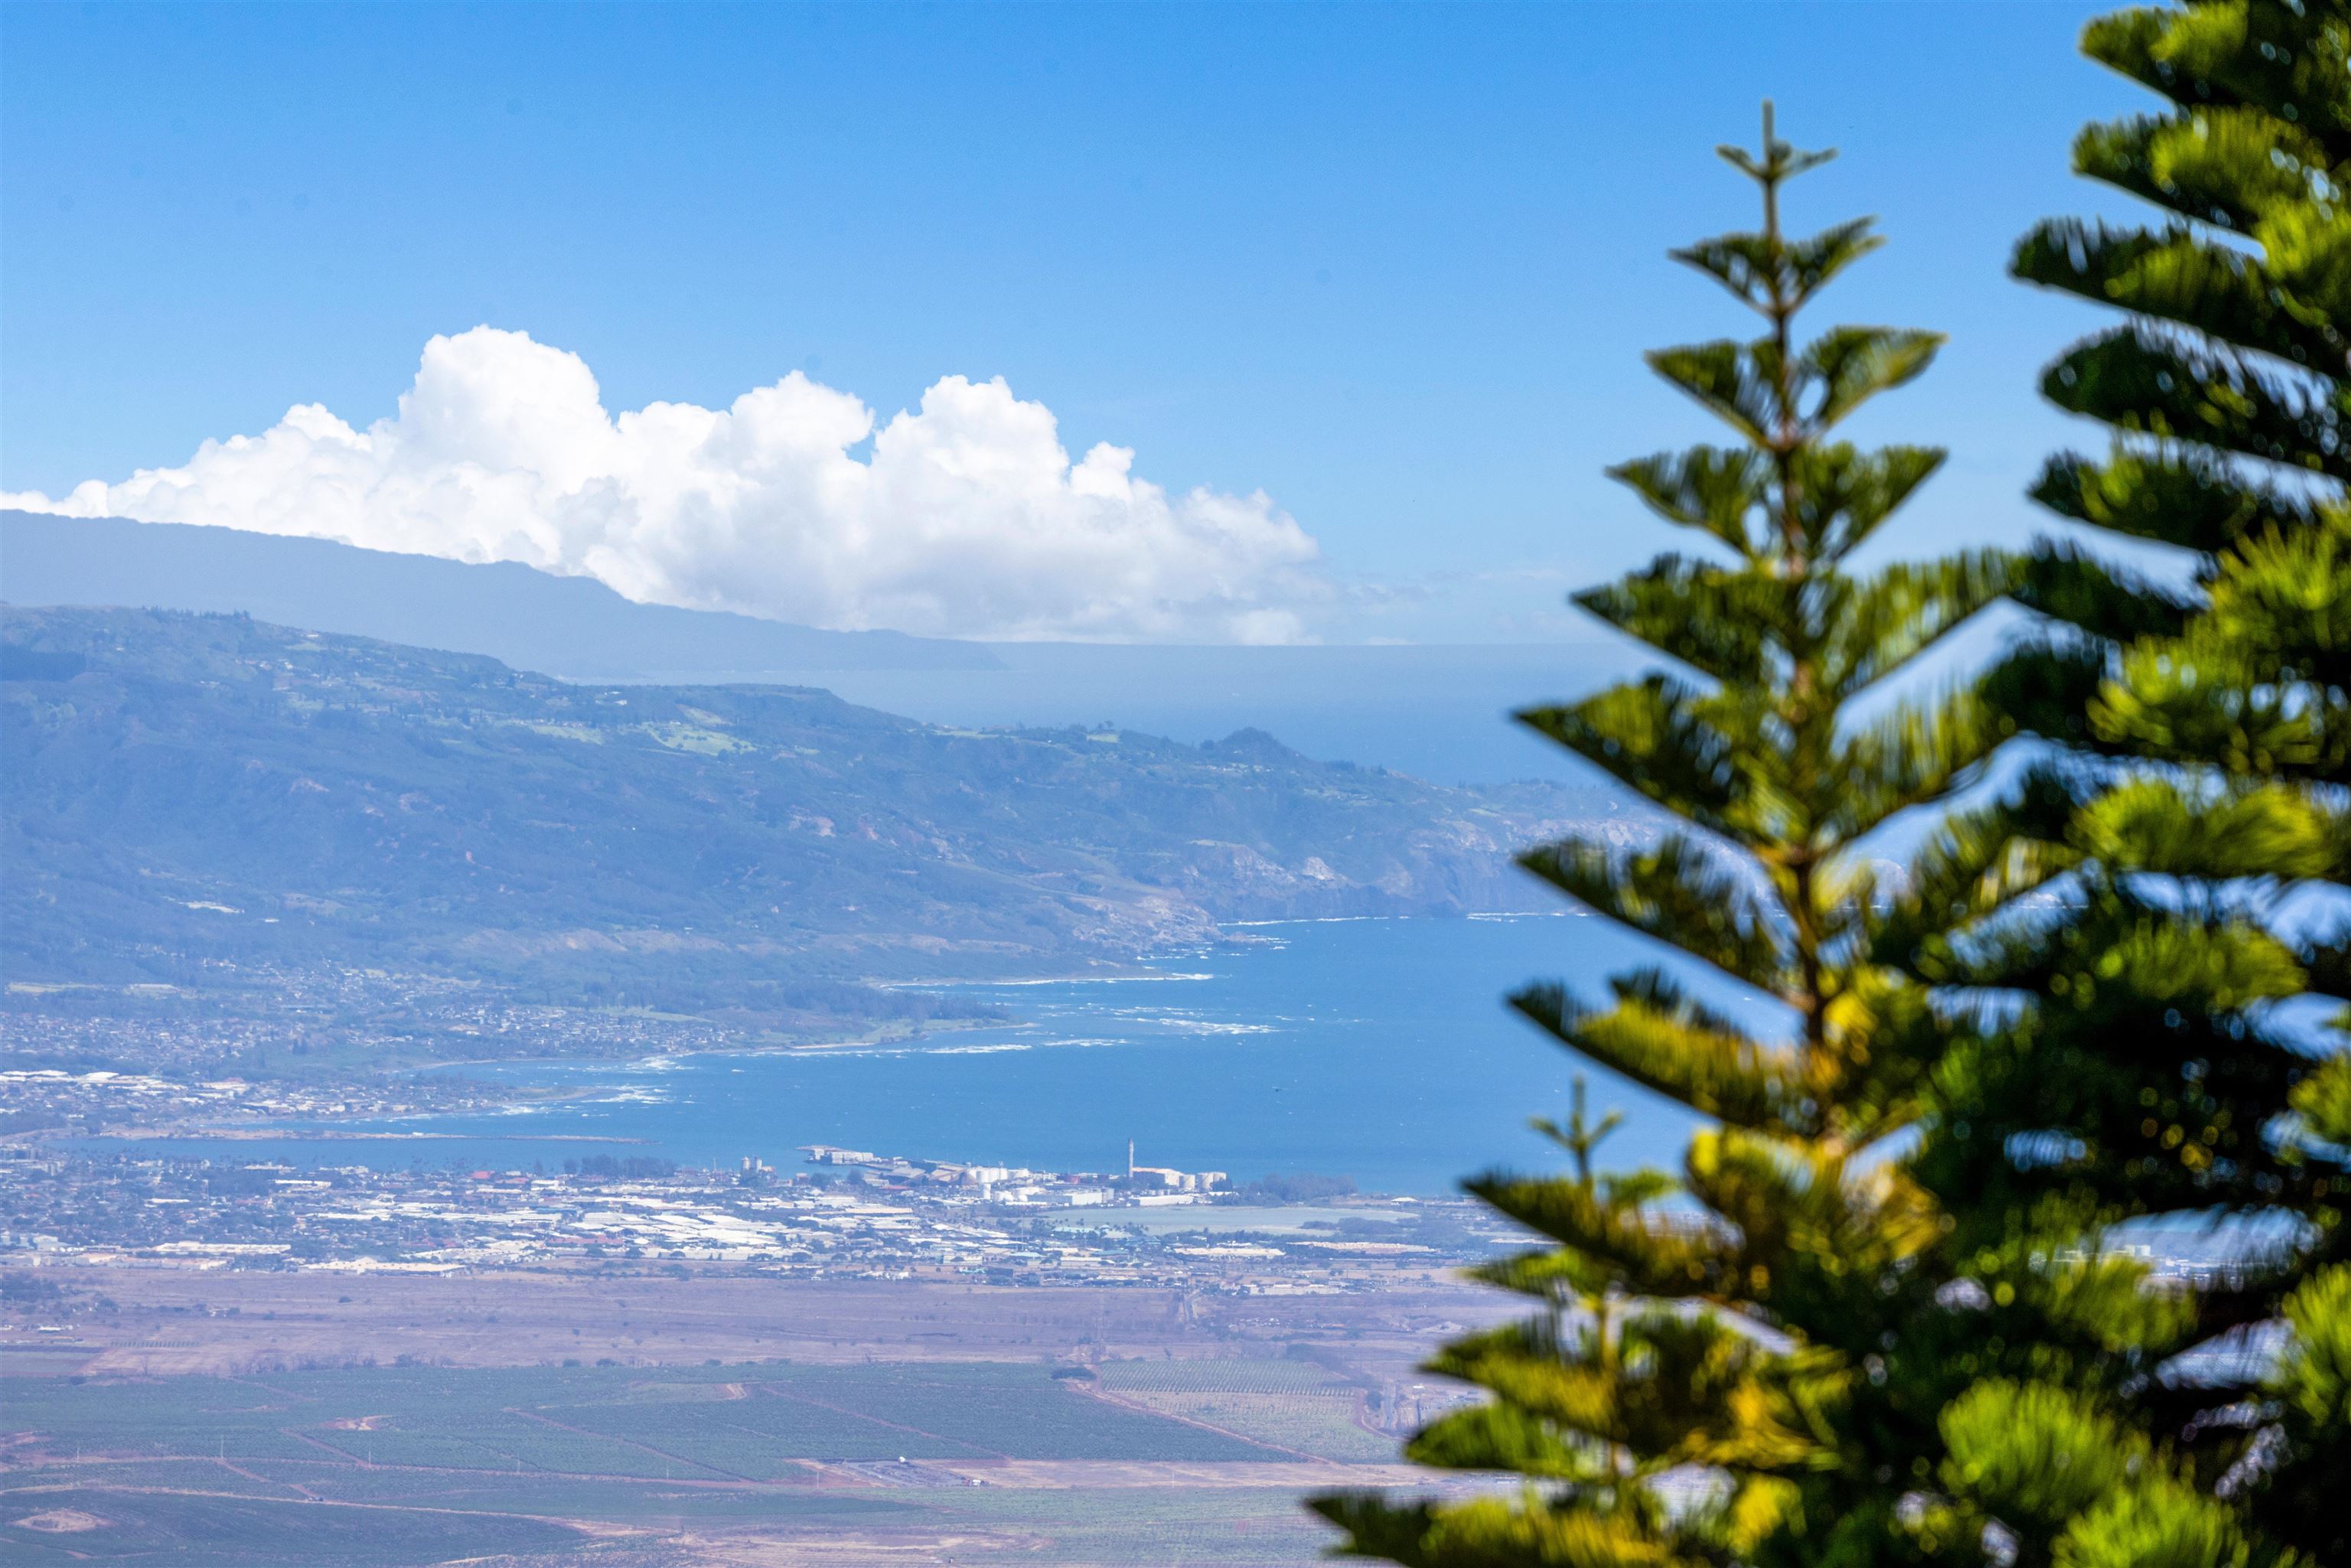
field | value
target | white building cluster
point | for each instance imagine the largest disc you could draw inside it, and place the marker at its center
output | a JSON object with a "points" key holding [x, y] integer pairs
{"points": [[1148, 1186]]}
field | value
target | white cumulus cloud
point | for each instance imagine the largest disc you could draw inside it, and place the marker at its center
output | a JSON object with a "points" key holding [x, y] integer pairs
{"points": [[966, 518]]}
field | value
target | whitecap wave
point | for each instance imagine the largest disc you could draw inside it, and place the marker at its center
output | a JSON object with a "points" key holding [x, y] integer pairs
{"points": [[1068, 980], [1323, 920]]}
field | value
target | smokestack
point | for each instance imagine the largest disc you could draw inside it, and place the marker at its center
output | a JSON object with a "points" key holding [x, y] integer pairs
{"points": [[1129, 1160]]}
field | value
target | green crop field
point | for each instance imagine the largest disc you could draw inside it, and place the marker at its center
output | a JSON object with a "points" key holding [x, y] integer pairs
{"points": [[190, 1531], [1321, 1423], [355, 1467], [738, 1421], [1194, 1375], [155, 1475], [569, 1497], [1292, 1404], [1194, 1527]]}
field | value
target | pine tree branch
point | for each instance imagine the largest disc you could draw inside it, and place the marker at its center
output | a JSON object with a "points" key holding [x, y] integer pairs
{"points": [[2221, 292], [1677, 892], [2178, 495], [1661, 1040], [2143, 384]]}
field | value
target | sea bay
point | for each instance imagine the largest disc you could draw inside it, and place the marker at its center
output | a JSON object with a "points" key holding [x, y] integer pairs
{"points": [[1379, 1050]]}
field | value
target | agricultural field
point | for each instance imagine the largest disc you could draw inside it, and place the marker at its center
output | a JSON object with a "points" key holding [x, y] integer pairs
{"points": [[635, 1526], [740, 1422], [1197, 1526], [957, 1462], [1291, 1405], [1228, 1374], [210, 1532]]}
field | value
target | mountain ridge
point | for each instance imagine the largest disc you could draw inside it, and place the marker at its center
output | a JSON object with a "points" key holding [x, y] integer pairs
{"points": [[1435, 711], [570, 626], [188, 796]]}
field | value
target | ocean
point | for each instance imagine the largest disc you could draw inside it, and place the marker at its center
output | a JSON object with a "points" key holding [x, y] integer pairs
{"points": [[1379, 1050]]}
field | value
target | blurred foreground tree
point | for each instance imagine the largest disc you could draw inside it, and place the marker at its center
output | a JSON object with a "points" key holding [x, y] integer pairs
{"points": [[1779, 1342], [2172, 1067]]}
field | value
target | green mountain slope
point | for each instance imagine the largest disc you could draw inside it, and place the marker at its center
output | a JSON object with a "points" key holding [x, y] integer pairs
{"points": [[184, 798]]}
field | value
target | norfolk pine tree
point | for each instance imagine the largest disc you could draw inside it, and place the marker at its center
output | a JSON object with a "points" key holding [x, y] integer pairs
{"points": [[2171, 1061], [1785, 1332]]}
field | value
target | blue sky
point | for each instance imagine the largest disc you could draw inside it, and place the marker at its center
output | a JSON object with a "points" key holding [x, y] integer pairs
{"points": [[1391, 265]]}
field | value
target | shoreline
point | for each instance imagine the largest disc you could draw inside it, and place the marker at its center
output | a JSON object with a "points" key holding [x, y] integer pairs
{"points": [[498, 1095], [546, 1096], [336, 1136], [948, 1026]]}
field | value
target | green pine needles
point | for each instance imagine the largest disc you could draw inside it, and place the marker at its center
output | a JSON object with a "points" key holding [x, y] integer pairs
{"points": [[2176, 1066], [1894, 1309], [1753, 1372]]}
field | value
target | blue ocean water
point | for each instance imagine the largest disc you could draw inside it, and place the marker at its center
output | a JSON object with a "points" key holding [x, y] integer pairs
{"points": [[1379, 1050]]}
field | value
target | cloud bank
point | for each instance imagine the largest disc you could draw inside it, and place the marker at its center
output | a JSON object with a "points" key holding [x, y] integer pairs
{"points": [[966, 520]]}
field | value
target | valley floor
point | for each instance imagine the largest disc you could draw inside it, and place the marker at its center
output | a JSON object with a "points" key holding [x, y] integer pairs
{"points": [[210, 1418]]}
